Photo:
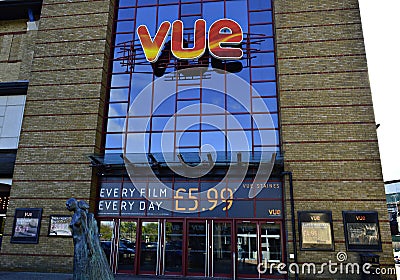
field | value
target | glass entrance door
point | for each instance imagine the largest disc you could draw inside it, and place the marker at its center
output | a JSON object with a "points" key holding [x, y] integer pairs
{"points": [[257, 241], [209, 252], [161, 250], [127, 246], [207, 248], [197, 240], [149, 247], [247, 248], [271, 251], [173, 247], [222, 255]]}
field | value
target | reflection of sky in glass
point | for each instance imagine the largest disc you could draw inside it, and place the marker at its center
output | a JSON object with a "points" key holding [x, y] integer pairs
{"points": [[215, 128]]}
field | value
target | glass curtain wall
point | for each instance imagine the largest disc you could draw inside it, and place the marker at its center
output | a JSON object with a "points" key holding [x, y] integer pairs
{"points": [[131, 73]]}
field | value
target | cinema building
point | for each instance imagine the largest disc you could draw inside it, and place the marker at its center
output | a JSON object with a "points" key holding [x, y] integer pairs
{"points": [[207, 136]]}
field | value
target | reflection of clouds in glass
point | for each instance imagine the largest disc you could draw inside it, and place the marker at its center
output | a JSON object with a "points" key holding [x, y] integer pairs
{"points": [[118, 109], [121, 80], [118, 95], [239, 141], [134, 123], [215, 139], [216, 121], [115, 125], [184, 122], [137, 143]]}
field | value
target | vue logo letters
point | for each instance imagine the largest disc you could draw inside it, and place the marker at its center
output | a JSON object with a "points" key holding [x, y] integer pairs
{"points": [[223, 35]]}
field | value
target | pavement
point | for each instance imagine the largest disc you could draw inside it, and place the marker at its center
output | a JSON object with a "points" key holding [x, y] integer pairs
{"points": [[9, 275]]}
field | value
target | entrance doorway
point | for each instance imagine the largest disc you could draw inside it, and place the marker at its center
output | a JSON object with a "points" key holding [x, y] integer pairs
{"points": [[191, 247], [257, 242], [161, 247], [210, 248]]}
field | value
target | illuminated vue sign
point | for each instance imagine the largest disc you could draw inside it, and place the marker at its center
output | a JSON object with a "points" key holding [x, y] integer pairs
{"points": [[224, 39]]}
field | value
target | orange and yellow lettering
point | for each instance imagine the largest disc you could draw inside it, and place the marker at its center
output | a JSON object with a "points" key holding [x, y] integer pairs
{"points": [[199, 44], [218, 40], [152, 47]]}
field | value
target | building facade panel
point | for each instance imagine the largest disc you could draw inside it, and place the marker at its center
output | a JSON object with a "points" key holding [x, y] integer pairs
{"points": [[88, 61], [75, 121], [339, 39], [70, 92], [72, 48], [330, 80], [345, 63], [64, 107], [329, 114], [334, 16], [68, 21], [328, 97], [331, 133], [334, 48], [49, 179], [287, 6]]}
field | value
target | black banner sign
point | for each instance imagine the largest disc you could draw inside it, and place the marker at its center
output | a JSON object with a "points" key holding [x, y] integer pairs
{"points": [[26, 225], [316, 231], [361, 230]]}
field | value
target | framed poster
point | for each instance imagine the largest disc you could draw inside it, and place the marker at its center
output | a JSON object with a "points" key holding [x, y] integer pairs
{"points": [[361, 231], [26, 225], [59, 226], [315, 230]]}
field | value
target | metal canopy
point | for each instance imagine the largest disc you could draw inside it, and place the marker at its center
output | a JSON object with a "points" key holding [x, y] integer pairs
{"points": [[114, 164]]}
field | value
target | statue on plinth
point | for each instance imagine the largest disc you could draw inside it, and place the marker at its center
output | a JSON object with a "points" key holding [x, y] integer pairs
{"points": [[90, 262]]}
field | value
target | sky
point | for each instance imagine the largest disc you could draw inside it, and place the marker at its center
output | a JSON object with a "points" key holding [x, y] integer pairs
{"points": [[381, 24]]}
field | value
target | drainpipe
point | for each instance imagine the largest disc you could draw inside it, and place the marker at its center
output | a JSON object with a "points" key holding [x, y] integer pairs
{"points": [[292, 213], [31, 24], [30, 15]]}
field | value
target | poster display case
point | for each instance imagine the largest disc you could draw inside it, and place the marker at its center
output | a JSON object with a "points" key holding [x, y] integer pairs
{"points": [[361, 230], [59, 226], [26, 225], [316, 232]]}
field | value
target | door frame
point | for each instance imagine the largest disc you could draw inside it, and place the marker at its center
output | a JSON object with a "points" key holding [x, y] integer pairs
{"points": [[139, 247], [209, 246], [258, 223], [207, 237], [163, 245], [211, 251], [117, 240]]}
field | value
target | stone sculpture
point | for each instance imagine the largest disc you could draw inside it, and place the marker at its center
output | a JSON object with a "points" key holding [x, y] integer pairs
{"points": [[90, 262]]}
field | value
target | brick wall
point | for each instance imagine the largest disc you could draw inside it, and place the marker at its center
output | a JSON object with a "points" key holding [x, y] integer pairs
{"points": [[62, 124], [328, 127], [16, 50]]}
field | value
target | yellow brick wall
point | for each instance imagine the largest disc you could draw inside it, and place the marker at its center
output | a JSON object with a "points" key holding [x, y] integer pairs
{"points": [[328, 127], [61, 126]]}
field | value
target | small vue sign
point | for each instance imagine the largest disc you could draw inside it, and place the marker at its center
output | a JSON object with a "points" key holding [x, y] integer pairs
{"points": [[223, 36]]}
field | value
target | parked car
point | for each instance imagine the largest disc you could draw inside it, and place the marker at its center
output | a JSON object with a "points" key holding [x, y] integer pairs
{"points": [[124, 253]]}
